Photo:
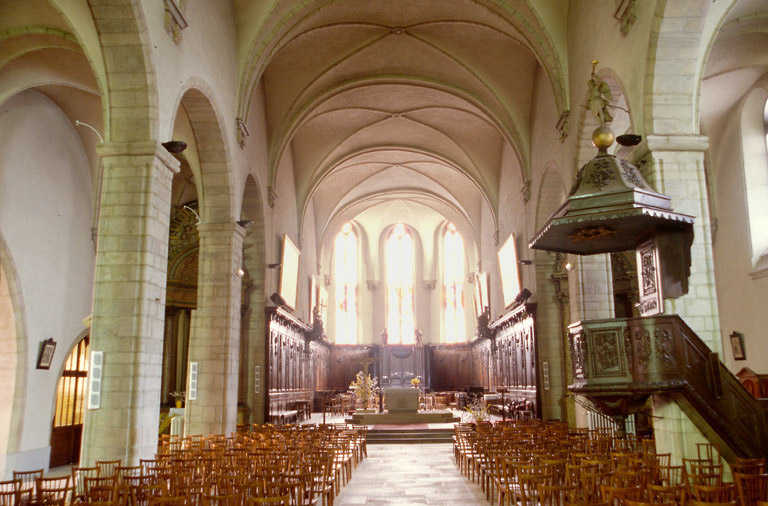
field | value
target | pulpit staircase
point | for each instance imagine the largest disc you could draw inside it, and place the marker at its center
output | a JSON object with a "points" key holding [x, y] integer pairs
{"points": [[619, 363]]}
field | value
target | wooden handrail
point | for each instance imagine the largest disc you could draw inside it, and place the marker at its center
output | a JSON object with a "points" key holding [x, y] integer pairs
{"points": [[619, 362]]}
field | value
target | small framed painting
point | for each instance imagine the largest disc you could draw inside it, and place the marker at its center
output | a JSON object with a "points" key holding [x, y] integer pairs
{"points": [[737, 346], [46, 354]]}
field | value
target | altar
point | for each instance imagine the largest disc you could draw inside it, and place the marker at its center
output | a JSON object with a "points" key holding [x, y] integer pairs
{"points": [[401, 399], [402, 408]]}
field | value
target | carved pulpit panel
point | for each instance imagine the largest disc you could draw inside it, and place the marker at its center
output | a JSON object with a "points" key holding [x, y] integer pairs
{"points": [[649, 279]]}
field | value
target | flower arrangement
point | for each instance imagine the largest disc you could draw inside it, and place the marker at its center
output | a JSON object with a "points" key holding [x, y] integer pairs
{"points": [[477, 411], [415, 381], [364, 387], [178, 397]]}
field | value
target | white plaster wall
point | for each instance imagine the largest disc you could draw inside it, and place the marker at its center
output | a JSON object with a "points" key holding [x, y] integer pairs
{"points": [[206, 51], [741, 297], [45, 218]]}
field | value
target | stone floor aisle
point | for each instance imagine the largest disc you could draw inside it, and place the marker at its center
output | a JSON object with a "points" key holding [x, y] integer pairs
{"points": [[409, 474]]}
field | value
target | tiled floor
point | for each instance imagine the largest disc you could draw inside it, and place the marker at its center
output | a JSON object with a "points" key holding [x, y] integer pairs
{"points": [[409, 474]]}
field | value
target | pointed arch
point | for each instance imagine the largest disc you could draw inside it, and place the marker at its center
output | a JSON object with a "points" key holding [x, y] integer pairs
{"points": [[13, 373]]}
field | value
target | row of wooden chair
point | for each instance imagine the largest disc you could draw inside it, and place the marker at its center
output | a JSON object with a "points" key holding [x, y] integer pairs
{"points": [[537, 462], [297, 466]]}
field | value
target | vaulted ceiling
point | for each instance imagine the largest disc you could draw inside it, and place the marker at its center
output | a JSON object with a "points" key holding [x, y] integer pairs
{"points": [[388, 100]]}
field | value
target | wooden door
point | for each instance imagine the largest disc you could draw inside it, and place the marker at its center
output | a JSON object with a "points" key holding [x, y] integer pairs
{"points": [[67, 430]]}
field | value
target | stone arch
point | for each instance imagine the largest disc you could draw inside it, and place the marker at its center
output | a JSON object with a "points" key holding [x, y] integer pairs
{"points": [[131, 101], [215, 186], [252, 329], [13, 372], [681, 35]]}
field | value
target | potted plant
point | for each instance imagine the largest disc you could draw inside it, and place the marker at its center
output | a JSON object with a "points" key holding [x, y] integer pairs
{"points": [[178, 397], [477, 411], [364, 387]]}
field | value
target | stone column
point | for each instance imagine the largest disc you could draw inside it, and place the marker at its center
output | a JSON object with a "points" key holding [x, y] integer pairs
{"points": [[678, 172], [590, 289], [214, 341], [254, 334], [552, 348], [129, 301]]}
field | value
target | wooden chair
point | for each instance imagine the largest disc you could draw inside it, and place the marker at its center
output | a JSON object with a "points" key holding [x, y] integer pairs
{"points": [[672, 475], [227, 500], [714, 493], [694, 502], [28, 481], [55, 490], [108, 468], [180, 500], [141, 494], [10, 497], [751, 488], [628, 502], [592, 482], [99, 489], [78, 479], [615, 495], [748, 466], [284, 500], [667, 493], [555, 495]]}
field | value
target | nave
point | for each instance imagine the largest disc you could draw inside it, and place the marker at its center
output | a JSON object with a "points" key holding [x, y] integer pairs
{"points": [[409, 474]]}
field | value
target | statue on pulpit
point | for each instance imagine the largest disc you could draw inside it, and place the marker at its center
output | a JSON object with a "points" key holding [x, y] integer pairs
{"points": [[384, 337], [418, 337]]}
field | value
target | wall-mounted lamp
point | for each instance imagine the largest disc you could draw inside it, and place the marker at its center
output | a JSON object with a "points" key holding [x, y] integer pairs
{"points": [[274, 266], [192, 211], [245, 223], [240, 272], [525, 262], [568, 266], [278, 300], [80, 123], [175, 147]]}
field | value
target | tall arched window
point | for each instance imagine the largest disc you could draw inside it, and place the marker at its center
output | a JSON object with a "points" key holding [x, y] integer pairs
{"points": [[453, 286], [345, 275], [754, 128], [400, 267]]}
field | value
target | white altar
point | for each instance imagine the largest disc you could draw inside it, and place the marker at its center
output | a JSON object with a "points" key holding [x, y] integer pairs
{"points": [[401, 399]]}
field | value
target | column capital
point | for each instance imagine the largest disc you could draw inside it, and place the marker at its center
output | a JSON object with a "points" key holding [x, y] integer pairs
{"points": [[144, 148], [225, 228], [673, 142]]}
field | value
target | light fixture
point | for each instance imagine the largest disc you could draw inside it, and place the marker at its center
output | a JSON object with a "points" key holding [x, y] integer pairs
{"points": [[278, 300], [568, 266], [175, 147], [245, 223], [525, 262], [240, 272], [274, 266]]}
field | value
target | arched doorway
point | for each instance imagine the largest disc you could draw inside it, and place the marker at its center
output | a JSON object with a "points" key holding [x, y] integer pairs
{"points": [[67, 431]]}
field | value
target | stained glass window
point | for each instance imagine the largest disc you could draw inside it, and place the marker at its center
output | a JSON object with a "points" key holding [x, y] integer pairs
{"points": [[345, 256], [400, 274], [453, 286]]}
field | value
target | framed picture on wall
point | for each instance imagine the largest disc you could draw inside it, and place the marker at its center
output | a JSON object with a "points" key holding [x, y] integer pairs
{"points": [[737, 346], [46, 354]]}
